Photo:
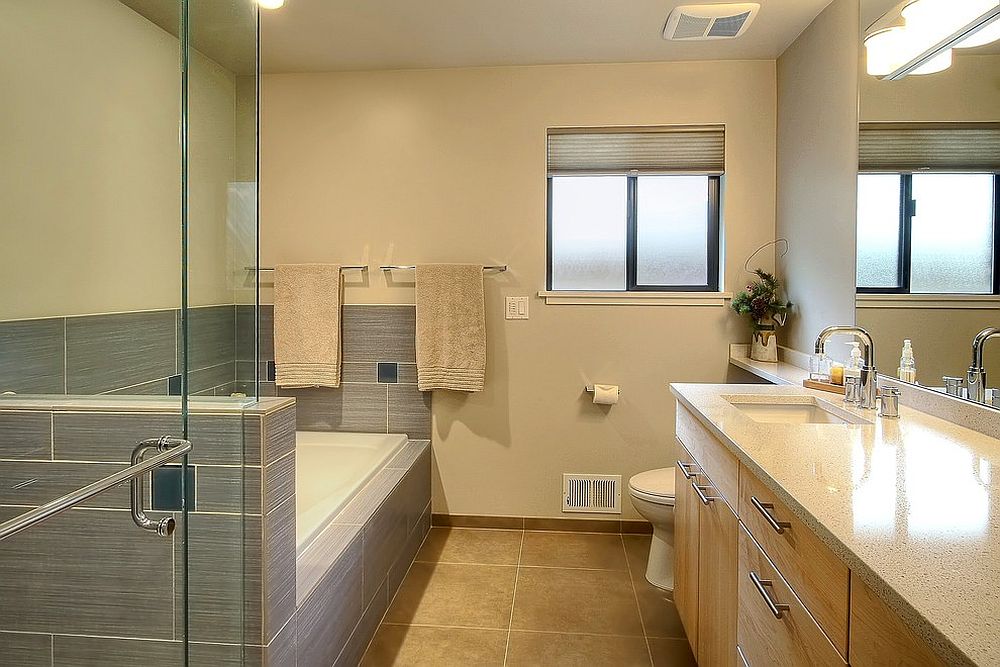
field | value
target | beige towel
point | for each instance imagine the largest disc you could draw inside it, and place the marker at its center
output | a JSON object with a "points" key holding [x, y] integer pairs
{"points": [[307, 325], [451, 327]]}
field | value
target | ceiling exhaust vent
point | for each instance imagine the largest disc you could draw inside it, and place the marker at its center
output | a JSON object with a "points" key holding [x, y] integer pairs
{"points": [[693, 23]]}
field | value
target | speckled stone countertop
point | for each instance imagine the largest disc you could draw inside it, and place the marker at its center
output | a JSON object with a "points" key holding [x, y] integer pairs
{"points": [[912, 505]]}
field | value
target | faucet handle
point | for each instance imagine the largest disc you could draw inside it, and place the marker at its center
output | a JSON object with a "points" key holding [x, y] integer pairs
{"points": [[953, 385], [890, 403]]}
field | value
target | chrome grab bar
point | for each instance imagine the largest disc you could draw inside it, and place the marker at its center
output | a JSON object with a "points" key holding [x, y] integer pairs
{"points": [[175, 448], [500, 268], [777, 609]]}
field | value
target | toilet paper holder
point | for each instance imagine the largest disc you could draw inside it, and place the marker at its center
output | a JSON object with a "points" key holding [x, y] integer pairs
{"points": [[590, 389]]}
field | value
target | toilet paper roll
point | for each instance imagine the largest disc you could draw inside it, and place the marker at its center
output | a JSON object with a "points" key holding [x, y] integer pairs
{"points": [[605, 394]]}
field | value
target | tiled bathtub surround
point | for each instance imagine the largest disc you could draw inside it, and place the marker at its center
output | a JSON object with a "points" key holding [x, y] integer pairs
{"points": [[379, 390], [350, 573], [126, 586], [120, 353]]}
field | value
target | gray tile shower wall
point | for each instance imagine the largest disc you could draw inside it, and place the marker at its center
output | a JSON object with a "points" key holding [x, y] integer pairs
{"points": [[120, 353], [379, 390], [126, 586]]}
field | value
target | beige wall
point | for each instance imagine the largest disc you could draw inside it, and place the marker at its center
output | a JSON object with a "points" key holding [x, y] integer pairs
{"points": [[942, 340], [91, 173], [449, 165], [817, 165], [969, 90]]}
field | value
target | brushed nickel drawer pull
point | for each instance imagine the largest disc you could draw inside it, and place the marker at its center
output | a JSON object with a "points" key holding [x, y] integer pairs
{"points": [[683, 467], [765, 509], [762, 585], [700, 489]]}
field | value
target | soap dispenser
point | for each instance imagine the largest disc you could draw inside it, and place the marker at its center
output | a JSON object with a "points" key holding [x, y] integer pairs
{"points": [[907, 366], [853, 369]]}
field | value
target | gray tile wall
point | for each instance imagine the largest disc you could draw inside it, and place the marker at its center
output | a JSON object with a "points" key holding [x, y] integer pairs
{"points": [[91, 572], [121, 353], [371, 334], [336, 620]]}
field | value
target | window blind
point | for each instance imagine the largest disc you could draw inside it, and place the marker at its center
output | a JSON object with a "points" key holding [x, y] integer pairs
{"points": [[659, 150], [900, 147]]}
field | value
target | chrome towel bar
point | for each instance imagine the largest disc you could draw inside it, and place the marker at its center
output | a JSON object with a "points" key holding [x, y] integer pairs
{"points": [[410, 267], [173, 448], [352, 267]]}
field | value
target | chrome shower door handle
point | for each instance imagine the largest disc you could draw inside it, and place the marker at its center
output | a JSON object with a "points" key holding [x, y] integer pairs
{"points": [[165, 526]]}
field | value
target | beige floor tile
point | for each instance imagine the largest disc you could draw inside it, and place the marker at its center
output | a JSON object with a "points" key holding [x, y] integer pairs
{"points": [[470, 545], [671, 653], [435, 647], [446, 594], [585, 550], [656, 606], [576, 601], [637, 551], [558, 650]]}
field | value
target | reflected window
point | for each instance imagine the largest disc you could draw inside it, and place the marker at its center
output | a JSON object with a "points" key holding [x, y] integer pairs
{"points": [[927, 233]]}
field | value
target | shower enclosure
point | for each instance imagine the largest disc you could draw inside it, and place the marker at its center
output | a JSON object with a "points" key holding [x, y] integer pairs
{"points": [[133, 448]]}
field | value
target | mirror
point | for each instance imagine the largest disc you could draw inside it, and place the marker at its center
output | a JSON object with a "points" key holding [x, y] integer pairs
{"points": [[929, 159]]}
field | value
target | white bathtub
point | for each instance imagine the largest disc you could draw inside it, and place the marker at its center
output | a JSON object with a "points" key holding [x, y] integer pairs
{"points": [[329, 470]]}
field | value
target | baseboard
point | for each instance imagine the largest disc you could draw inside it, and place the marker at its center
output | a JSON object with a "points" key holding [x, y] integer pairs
{"points": [[614, 526]]}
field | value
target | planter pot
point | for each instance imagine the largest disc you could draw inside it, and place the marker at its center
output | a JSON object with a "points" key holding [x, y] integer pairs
{"points": [[764, 344]]}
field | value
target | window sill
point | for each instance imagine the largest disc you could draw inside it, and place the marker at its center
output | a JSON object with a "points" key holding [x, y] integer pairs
{"points": [[569, 298], [959, 301]]}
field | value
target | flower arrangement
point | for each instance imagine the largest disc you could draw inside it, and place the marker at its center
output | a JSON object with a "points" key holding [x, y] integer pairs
{"points": [[762, 302]]}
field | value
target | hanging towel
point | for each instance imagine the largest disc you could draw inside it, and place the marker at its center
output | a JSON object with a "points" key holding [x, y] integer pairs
{"points": [[307, 325], [451, 327]]}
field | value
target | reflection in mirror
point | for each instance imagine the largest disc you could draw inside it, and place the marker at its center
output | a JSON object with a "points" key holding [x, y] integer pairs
{"points": [[927, 255]]}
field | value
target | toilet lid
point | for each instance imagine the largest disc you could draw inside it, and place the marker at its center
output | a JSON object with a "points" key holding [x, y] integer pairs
{"points": [[659, 482]]}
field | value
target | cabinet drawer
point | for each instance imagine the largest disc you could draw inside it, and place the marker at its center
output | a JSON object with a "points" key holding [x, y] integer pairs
{"points": [[712, 456], [763, 638], [816, 575], [878, 636]]}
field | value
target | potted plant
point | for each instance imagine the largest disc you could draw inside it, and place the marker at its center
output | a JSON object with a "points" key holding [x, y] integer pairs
{"points": [[763, 303]]}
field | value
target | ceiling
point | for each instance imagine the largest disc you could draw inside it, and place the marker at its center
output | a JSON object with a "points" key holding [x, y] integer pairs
{"points": [[332, 35]]}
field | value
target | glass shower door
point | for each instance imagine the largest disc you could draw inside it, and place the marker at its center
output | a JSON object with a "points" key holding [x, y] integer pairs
{"points": [[127, 329]]}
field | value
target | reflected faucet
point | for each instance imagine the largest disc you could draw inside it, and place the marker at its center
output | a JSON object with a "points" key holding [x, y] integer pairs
{"points": [[976, 377], [869, 374]]}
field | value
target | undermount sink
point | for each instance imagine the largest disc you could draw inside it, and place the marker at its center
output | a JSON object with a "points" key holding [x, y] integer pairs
{"points": [[771, 409]]}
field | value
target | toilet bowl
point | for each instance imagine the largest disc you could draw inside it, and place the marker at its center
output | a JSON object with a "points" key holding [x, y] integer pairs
{"points": [[652, 494]]}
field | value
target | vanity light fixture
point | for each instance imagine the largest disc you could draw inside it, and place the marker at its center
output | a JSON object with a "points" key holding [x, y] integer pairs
{"points": [[270, 4], [917, 36]]}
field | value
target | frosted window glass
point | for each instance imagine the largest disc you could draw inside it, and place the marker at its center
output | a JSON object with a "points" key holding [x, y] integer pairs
{"points": [[878, 230], [952, 234], [588, 232], [672, 230]]}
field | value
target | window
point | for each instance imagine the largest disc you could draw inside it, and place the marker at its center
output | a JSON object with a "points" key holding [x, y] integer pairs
{"points": [[634, 210], [928, 233]]}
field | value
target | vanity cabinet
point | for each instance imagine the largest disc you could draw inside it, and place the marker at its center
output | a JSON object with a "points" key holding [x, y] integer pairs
{"points": [[686, 548], [755, 586]]}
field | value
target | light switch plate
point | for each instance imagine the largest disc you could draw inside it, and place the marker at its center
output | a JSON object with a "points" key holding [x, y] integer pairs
{"points": [[516, 307]]}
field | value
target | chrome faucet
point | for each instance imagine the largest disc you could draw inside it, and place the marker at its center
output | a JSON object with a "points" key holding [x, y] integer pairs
{"points": [[976, 377], [869, 374]]}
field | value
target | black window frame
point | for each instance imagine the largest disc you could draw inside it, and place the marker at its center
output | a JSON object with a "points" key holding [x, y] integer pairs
{"points": [[632, 233], [907, 209]]}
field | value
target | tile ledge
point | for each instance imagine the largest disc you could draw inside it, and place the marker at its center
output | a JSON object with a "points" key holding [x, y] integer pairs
{"points": [[571, 298]]}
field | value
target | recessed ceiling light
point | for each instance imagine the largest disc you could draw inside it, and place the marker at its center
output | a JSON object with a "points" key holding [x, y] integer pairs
{"points": [[270, 4]]}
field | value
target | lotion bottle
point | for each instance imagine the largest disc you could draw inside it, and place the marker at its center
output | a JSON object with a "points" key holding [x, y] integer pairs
{"points": [[907, 365], [854, 366]]}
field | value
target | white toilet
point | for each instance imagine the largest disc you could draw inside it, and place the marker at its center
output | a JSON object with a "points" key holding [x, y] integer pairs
{"points": [[652, 495]]}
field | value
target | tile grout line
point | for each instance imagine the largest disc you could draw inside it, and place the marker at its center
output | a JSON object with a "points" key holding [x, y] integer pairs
{"points": [[513, 599], [638, 607]]}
